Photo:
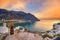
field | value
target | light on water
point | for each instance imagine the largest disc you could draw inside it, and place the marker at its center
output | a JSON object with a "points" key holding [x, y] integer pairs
{"points": [[42, 25]]}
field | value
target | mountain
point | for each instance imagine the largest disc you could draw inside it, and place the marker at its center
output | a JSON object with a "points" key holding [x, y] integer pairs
{"points": [[7, 14]]}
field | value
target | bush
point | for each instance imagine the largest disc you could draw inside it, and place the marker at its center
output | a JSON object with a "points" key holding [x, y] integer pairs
{"points": [[1, 24], [57, 35]]}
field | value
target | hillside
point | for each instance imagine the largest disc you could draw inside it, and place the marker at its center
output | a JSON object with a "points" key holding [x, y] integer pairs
{"points": [[7, 14]]}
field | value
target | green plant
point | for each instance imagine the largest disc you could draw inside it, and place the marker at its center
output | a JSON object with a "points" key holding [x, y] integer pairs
{"points": [[1, 24], [57, 35]]}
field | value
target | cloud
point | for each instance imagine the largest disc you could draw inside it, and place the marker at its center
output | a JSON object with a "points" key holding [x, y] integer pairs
{"points": [[51, 11], [3, 3], [15, 4], [19, 5], [12, 4]]}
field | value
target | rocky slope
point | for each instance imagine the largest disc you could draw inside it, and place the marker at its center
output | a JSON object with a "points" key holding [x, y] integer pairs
{"points": [[8, 14]]}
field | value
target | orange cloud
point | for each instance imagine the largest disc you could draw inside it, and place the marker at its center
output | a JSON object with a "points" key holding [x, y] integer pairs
{"points": [[3, 3], [20, 4], [12, 4], [50, 12], [15, 4], [53, 13]]}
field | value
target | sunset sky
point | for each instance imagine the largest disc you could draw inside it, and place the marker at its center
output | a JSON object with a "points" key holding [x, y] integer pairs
{"points": [[42, 9]]}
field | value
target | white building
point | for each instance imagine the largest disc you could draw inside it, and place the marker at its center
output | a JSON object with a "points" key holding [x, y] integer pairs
{"points": [[3, 28], [56, 29]]}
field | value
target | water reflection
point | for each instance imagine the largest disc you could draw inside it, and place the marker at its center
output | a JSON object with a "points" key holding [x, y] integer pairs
{"points": [[42, 25]]}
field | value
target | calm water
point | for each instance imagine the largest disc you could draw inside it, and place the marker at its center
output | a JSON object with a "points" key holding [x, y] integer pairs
{"points": [[42, 25]]}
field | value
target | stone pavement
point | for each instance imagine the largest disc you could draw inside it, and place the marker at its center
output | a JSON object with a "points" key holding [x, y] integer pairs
{"points": [[24, 36]]}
